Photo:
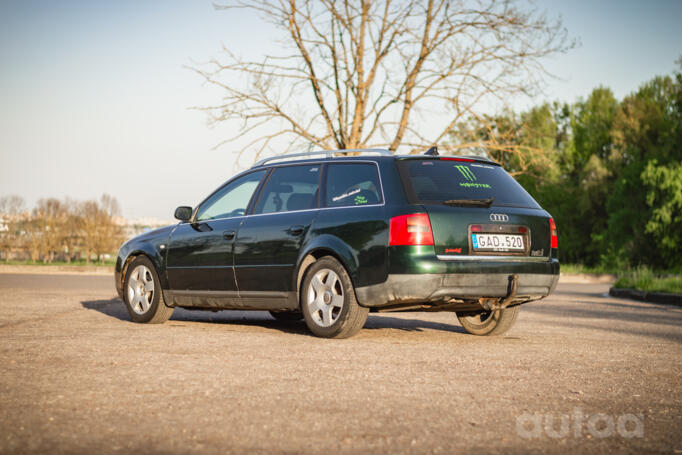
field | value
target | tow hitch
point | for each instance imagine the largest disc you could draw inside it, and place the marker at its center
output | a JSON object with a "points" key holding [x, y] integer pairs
{"points": [[498, 304]]}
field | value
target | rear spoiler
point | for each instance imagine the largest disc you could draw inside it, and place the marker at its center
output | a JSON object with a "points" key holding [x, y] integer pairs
{"points": [[469, 158]]}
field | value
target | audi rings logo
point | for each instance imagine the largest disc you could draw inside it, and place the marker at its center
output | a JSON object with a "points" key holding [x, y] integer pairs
{"points": [[499, 217]]}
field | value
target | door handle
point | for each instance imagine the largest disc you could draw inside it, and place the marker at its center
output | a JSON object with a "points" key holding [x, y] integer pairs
{"points": [[296, 229], [228, 235]]}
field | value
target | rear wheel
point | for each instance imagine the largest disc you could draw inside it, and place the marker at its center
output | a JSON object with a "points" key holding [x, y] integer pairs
{"points": [[490, 323], [142, 293], [328, 301]]}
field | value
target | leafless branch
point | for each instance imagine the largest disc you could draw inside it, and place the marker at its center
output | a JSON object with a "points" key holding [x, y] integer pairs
{"points": [[356, 73]]}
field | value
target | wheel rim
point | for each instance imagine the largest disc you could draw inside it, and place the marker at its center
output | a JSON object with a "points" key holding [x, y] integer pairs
{"points": [[140, 289], [325, 298], [481, 318]]}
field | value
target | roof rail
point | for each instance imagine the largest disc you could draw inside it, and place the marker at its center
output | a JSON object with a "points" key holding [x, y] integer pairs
{"points": [[327, 153]]}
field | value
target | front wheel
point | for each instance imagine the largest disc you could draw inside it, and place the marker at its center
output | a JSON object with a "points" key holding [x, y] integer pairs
{"points": [[328, 301], [142, 293], [490, 323]]}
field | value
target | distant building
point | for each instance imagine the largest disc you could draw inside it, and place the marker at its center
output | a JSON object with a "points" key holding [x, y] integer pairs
{"points": [[132, 228]]}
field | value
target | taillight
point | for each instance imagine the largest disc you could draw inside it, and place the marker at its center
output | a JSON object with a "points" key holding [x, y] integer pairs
{"points": [[448, 158], [414, 229], [553, 233]]}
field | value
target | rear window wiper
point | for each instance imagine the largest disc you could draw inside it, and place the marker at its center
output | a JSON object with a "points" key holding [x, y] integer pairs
{"points": [[469, 202]]}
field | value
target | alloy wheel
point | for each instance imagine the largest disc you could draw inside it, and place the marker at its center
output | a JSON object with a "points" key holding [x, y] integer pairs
{"points": [[325, 297], [140, 289]]}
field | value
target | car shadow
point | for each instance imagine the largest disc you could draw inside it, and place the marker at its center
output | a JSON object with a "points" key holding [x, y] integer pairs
{"points": [[111, 307], [376, 322], [659, 315], [115, 308]]}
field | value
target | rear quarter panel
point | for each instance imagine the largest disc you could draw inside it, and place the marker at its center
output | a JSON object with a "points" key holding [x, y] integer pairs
{"points": [[359, 236]]}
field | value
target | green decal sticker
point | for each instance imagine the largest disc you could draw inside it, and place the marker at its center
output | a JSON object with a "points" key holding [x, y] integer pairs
{"points": [[469, 175], [475, 185], [466, 172], [360, 200]]}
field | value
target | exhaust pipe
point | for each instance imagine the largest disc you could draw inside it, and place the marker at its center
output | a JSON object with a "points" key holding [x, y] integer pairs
{"points": [[512, 287]]}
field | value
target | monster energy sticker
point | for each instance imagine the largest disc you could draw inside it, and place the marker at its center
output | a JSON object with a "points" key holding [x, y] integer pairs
{"points": [[470, 177]]}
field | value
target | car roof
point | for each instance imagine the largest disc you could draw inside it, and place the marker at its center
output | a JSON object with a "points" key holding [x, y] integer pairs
{"points": [[381, 156]]}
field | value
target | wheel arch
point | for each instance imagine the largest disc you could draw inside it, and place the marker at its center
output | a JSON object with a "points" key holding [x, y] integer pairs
{"points": [[154, 256], [325, 246]]}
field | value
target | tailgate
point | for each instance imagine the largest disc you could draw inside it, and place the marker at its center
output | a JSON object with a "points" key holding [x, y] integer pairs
{"points": [[494, 231], [476, 208]]}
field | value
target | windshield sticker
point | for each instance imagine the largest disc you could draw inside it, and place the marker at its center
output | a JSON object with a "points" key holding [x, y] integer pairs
{"points": [[481, 165], [470, 176], [360, 200], [345, 195], [313, 169]]}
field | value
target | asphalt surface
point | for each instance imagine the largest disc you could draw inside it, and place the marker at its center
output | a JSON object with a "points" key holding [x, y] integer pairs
{"points": [[580, 372]]}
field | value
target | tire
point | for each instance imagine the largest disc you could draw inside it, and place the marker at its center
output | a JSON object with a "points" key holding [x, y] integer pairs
{"points": [[142, 293], [287, 316], [490, 323], [328, 301]]}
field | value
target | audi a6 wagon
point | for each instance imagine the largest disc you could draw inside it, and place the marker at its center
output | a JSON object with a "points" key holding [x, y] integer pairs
{"points": [[329, 236]]}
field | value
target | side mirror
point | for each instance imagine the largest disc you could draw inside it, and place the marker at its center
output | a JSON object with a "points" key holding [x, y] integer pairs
{"points": [[183, 213]]}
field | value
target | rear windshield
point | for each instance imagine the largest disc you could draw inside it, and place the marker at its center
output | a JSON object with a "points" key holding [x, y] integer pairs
{"points": [[435, 181]]}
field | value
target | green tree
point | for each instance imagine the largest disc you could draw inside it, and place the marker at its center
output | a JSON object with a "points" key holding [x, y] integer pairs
{"points": [[647, 150], [574, 180], [588, 175], [664, 198], [609, 172]]}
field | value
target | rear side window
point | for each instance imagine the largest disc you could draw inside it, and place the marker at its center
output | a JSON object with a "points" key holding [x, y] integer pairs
{"points": [[290, 188], [436, 181], [350, 184]]}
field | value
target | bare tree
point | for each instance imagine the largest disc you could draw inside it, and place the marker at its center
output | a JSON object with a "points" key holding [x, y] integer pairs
{"points": [[11, 213], [355, 74], [72, 230], [112, 235], [101, 234], [522, 143], [91, 217], [50, 216]]}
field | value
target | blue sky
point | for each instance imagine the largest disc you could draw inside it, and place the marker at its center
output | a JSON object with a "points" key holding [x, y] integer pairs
{"points": [[95, 96]]}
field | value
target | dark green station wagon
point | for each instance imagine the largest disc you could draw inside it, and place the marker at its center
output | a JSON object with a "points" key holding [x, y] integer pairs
{"points": [[328, 237]]}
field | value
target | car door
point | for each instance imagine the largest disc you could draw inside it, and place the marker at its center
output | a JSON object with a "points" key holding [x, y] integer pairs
{"points": [[269, 239], [200, 262]]}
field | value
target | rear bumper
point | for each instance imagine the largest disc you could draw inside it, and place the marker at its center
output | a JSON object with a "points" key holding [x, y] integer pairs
{"points": [[436, 287]]}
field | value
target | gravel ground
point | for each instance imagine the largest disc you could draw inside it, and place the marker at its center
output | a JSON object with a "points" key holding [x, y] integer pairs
{"points": [[581, 372]]}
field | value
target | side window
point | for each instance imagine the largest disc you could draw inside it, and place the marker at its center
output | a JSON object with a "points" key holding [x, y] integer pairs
{"points": [[232, 199], [352, 184], [290, 188]]}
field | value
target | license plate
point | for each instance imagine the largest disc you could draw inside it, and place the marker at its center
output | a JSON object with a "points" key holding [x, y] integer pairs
{"points": [[497, 242]]}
